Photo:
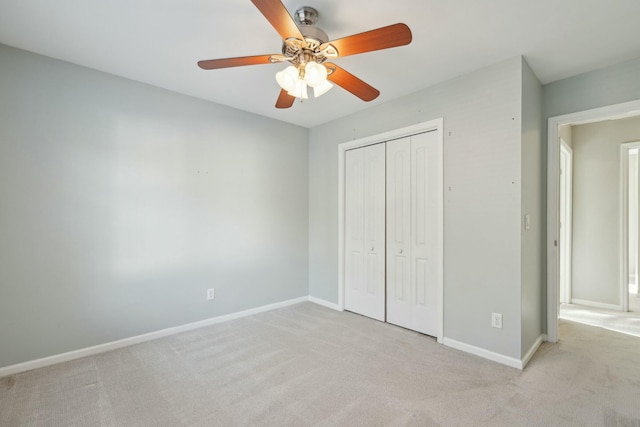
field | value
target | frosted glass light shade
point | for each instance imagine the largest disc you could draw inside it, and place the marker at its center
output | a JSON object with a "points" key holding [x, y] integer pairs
{"points": [[300, 90], [321, 89], [288, 78], [315, 74]]}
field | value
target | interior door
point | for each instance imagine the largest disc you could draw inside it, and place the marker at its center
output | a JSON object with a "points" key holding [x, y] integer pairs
{"points": [[399, 305], [365, 231], [413, 234], [425, 241]]}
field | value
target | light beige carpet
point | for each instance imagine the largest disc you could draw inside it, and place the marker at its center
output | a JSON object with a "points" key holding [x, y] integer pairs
{"points": [[308, 365], [619, 321]]}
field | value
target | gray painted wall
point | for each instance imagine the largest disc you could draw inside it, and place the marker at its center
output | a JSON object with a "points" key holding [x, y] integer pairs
{"points": [[108, 230], [532, 185], [121, 203], [607, 86], [482, 165], [596, 208]]}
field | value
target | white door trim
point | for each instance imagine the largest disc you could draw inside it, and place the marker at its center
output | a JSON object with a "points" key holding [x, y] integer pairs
{"points": [[624, 221], [430, 126], [617, 111], [567, 230]]}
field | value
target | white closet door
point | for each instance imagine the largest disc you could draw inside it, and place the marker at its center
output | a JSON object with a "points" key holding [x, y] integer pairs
{"points": [[413, 206], [365, 231], [399, 245], [425, 244]]}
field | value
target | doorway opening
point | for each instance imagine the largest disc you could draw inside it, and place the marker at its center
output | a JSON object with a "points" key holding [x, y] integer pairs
{"points": [[630, 222], [560, 270]]}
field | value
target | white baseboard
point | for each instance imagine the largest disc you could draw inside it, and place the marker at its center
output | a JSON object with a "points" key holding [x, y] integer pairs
{"points": [[496, 357], [113, 345], [484, 353], [527, 357], [324, 303], [596, 304]]}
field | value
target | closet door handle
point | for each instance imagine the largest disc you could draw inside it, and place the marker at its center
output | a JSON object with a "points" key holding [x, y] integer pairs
{"points": [[371, 248], [400, 252]]}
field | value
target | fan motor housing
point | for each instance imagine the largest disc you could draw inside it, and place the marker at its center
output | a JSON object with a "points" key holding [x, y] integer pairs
{"points": [[313, 35], [305, 18]]}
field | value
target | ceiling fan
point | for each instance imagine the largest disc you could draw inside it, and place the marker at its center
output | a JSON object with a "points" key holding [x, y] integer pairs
{"points": [[308, 48]]}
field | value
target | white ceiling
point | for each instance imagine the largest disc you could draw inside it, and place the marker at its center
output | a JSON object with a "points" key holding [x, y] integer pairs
{"points": [[159, 42]]}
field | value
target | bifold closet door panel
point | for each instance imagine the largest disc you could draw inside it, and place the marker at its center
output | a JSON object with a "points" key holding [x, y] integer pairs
{"points": [[399, 305], [425, 254], [365, 231], [412, 232]]}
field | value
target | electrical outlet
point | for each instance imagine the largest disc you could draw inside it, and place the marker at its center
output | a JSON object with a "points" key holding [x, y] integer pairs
{"points": [[210, 294], [496, 320]]}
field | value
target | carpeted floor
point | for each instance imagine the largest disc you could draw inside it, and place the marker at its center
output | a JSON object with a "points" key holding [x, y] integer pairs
{"points": [[619, 321], [308, 365]]}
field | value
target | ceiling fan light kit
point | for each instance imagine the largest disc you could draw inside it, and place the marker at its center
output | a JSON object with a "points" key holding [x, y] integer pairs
{"points": [[307, 48], [296, 79], [315, 74]]}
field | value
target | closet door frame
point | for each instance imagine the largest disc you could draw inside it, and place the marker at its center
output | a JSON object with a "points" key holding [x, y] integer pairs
{"points": [[430, 126]]}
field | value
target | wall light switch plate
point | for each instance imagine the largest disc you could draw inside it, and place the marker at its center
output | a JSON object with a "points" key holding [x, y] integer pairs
{"points": [[210, 294]]}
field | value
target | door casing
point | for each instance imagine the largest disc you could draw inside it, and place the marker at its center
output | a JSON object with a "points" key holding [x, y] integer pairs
{"points": [[566, 222], [624, 221], [616, 111]]}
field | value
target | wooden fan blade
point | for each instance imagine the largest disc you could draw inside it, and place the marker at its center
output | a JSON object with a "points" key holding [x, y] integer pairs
{"points": [[284, 100], [213, 64], [382, 38], [279, 18], [349, 82]]}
